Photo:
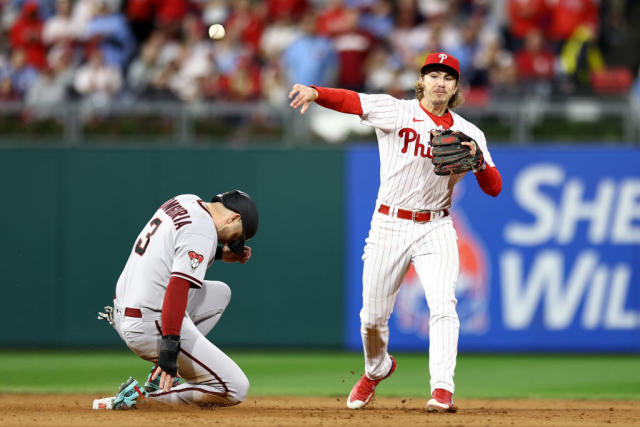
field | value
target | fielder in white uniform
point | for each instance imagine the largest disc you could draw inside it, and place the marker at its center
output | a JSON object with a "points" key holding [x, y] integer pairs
{"points": [[163, 308], [411, 222]]}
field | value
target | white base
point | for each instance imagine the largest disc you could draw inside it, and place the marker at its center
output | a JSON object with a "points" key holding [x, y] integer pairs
{"points": [[104, 403]]}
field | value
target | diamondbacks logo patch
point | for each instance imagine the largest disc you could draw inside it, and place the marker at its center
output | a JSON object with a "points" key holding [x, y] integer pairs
{"points": [[195, 259]]}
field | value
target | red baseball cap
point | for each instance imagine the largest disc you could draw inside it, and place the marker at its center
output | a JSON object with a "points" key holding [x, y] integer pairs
{"points": [[441, 58]]}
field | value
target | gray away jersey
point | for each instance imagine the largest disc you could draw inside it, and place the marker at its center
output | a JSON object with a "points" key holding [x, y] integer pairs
{"points": [[179, 240]]}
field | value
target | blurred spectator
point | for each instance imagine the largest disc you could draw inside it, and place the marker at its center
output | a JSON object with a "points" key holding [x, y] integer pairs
{"points": [[381, 70], [46, 8], [278, 36], [110, 31], [215, 12], [97, 80], [525, 16], [146, 66], [195, 58], [164, 82], [311, 59], [46, 95], [353, 46], [286, 9], [20, 74], [245, 20], [405, 20], [580, 56], [433, 8], [169, 14], [503, 77], [378, 19], [59, 28], [6, 90], [81, 14], [568, 15], [535, 62], [439, 33], [245, 83], [26, 34], [274, 82], [140, 14], [333, 19]]}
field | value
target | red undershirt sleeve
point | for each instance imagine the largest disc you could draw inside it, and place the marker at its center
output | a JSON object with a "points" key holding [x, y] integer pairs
{"points": [[490, 180], [343, 100], [174, 306]]}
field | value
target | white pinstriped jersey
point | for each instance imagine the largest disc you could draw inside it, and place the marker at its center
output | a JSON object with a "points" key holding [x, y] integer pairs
{"points": [[180, 240], [407, 177]]}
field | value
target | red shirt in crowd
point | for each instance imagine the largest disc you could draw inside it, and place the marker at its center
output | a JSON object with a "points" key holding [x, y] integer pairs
{"points": [[353, 48], [170, 11], [294, 9], [332, 21], [526, 15], [248, 25], [140, 10], [567, 15], [535, 65], [26, 34]]}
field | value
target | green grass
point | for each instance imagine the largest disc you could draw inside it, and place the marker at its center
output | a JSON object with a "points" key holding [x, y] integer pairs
{"points": [[333, 374]]}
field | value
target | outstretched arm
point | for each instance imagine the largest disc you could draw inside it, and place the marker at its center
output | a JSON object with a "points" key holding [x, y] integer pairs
{"points": [[345, 101]]}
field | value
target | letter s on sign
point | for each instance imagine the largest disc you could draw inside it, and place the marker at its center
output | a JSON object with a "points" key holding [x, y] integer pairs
{"points": [[530, 196]]}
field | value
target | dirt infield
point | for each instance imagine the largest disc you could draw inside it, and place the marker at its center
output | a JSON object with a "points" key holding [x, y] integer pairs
{"points": [[75, 410]]}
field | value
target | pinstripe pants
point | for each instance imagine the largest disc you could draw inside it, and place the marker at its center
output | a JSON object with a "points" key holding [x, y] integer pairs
{"points": [[392, 245]]}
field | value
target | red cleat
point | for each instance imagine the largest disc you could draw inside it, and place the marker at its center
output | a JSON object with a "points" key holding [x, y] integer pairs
{"points": [[441, 401], [363, 391]]}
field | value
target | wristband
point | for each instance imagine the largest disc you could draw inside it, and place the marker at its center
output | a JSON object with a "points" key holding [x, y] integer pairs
{"points": [[168, 357], [218, 254]]}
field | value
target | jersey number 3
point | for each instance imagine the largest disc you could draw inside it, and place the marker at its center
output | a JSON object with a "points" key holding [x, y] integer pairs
{"points": [[141, 248]]}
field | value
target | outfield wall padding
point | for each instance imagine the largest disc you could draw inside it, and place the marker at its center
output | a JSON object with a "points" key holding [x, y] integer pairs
{"points": [[69, 216]]}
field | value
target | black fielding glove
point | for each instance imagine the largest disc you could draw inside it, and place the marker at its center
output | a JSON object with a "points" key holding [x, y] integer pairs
{"points": [[168, 357]]}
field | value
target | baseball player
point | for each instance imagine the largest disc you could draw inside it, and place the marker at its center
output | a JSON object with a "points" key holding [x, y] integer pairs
{"points": [[163, 307], [411, 222]]}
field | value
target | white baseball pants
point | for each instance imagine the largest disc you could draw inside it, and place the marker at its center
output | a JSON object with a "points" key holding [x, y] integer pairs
{"points": [[432, 247], [211, 377]]}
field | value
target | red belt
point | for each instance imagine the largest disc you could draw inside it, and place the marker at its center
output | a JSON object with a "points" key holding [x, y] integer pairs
{"points": [[132, 312], [417, 216]]}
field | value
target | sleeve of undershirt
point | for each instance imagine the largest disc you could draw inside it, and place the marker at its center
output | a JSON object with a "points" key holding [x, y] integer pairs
{"points": [[342, 100], [174, 305], [490, 180]]}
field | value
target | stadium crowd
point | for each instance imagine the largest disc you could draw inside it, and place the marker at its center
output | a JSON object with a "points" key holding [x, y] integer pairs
{"points": [[105, 51]]}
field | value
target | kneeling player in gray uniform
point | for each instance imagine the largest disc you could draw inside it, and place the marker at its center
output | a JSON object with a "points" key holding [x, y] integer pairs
{"points": [[163, 308]]}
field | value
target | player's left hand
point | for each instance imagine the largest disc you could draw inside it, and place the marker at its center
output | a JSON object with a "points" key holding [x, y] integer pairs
{"points": [[166, 380], [230, 256]]}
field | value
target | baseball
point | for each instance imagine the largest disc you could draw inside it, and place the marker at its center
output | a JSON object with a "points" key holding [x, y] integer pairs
{"points": [[216, 32]]}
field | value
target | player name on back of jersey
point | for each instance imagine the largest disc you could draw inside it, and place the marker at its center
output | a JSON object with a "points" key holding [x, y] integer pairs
{"points": [[176, 212]]}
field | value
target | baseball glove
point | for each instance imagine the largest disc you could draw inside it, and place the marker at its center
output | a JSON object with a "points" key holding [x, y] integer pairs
{"points": [[450, 156]]}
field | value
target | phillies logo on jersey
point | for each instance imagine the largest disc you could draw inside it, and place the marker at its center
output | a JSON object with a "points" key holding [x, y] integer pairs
{"points": [[196, 259], [411, 135]]}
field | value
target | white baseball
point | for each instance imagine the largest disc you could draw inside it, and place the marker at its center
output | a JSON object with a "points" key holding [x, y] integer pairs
{"points": [[216, 32]]}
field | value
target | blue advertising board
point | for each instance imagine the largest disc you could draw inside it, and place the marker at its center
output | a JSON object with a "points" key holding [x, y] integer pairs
{"points": [[551, 264]]}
